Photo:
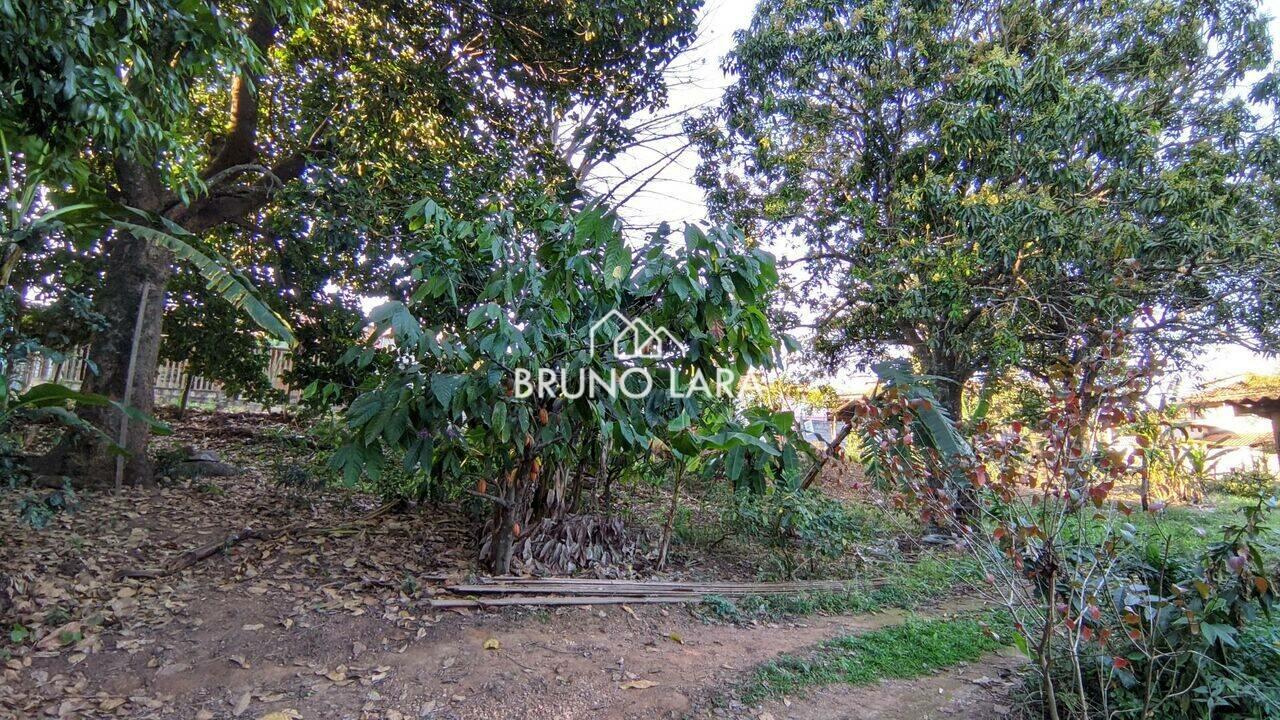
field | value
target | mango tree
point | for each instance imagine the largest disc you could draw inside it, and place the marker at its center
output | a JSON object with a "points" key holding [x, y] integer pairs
{"points": [[501, 376], [1000, 185]]}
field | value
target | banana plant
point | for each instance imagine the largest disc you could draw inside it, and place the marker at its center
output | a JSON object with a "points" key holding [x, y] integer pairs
{"points": [[939, 454], [29, 217], [939, 427], [49, 401], [219, 274]]}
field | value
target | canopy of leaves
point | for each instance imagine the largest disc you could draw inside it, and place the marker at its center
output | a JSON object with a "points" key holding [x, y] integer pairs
{"points": [[998, 183], [523, 289], [293, 135]]}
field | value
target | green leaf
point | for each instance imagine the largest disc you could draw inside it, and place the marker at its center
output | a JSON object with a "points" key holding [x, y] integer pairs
{"points": [[158, 427], [47, 394], [1218, 633], [445, 386], [349, 460], [1020, 641], [396, 316], [617, 262], [498, 421], [217, 273]]}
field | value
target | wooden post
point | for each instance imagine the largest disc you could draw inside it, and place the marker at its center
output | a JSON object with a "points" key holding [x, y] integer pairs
{"points": [[671, 516], [186, 393], [821, 461], [1275, 435], [128, 385]]}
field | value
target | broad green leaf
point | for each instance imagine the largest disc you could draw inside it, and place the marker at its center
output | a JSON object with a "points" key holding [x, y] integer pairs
{"points": [[218, 275]]}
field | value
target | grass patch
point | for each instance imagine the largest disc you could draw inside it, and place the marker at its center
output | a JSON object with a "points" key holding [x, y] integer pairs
{"points": [[909, 650], [1188, 530], [905, 585]]}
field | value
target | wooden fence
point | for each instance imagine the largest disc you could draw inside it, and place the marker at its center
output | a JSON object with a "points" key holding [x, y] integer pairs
{"points": [[170, 378]]}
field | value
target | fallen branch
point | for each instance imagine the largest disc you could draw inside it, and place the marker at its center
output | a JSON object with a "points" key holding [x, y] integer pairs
{"points": [[195, 555], [560, 600]]}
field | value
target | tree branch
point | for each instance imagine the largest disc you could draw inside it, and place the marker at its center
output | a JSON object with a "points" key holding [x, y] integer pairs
{"points": [[240, 143]]}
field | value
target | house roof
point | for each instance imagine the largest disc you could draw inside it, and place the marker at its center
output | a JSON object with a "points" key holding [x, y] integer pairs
{"points": [[1222, 438], [1248, 389]]}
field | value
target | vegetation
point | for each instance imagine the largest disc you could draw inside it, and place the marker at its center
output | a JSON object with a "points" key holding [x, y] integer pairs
{"points": [[1114, 619], [1248, 483], [526, 290], [1028, 178], [267, 120], [903, 584], [914, 648], [1020, 215]]}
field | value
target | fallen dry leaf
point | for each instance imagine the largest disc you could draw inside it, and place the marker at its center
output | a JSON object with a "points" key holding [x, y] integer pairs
{"points": [[242, 704], [638, 685]]}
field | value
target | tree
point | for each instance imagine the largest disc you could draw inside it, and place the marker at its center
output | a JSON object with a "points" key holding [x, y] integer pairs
{"points": [[531, 289], [224, 106], [214, 340], [1004, 184]]}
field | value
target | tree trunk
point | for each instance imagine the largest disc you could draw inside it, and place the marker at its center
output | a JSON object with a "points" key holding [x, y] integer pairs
{"points": [[671, 517], [503, 535], [950, 393], [517, 497], [131, 264], [186, 393], [1275, 436], [1144, 490]]}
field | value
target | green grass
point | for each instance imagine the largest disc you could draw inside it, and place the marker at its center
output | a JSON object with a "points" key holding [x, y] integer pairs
{"points": [[1187, 529], [909, 650], [902, 585]]}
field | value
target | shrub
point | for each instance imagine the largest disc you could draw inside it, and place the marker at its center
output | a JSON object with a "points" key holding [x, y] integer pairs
{"points": [[1247, 482], [1120, 615], [801, 527]]}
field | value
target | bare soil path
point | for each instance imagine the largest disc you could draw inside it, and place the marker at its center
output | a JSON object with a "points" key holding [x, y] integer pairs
{"points": [[971, 691], [337, 625], [231, 655]]}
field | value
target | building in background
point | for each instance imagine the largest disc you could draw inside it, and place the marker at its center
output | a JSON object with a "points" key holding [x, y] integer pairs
{"points": [[1239, 417]]}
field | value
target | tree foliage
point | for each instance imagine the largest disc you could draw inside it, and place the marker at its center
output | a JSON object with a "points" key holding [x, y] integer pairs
{"points": [[215, 119], [997, 184], [526, 289]]}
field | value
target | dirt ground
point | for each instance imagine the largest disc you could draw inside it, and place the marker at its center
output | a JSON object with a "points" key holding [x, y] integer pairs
{"points": [[972, 691], [338, 624]]}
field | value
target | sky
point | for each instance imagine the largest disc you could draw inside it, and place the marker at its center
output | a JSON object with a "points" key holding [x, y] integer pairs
{"points": [[670, 194]]}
